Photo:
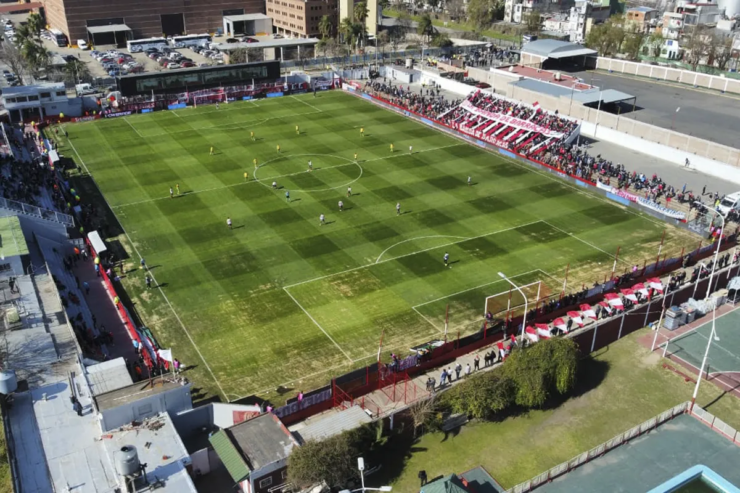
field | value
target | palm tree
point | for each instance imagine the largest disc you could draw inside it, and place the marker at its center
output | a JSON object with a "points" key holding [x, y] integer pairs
{"points": [[35, 23], [361, 12], [346, 29], [425, 27], [36, 55], [325, 26], [23, 33]]}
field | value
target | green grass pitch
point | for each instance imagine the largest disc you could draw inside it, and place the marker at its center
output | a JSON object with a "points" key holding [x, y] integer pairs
{"points": [[283, 302]]}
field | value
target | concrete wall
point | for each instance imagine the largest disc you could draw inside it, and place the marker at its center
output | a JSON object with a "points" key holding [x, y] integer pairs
{"points": [[172, 402], [695, 79], [675, 147]]}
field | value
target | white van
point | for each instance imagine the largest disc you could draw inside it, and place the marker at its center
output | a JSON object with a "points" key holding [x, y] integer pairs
{"points": [[84, 89], [82, 44], [730, 202]]}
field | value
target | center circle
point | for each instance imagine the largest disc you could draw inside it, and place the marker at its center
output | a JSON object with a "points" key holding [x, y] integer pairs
{"points": [[292, 172]]}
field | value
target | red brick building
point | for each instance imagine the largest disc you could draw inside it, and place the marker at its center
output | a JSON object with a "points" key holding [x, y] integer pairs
{"points": [[145, 18]]}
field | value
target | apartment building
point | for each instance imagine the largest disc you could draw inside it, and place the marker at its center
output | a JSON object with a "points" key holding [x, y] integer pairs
{"points": [[144, 18], [300, 18], [644, 18], [583, 16]]}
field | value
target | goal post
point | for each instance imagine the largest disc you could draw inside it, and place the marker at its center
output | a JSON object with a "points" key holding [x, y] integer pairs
{"points": [[509, 304]]}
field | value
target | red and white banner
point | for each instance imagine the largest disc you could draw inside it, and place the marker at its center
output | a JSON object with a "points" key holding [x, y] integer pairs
{"points": [[576, 317], [629, 294], [587, 311], [509, 120], [543, 330], [560, 324], [532, 334], [614, 300], [640, 288], [655, 283], [605, 306]]}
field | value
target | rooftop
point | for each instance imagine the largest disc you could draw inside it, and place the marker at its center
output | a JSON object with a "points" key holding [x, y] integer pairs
{"points": [[641, 9], [333, 424], [268, 42], [33, 89], [12, 241], [132, 393], [108, 376], [111, 28], [253, 444], [246, 17], [552, 48]]}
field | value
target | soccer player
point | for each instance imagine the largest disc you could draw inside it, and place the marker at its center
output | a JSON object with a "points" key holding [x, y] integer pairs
{"points": [[251, 135], [228, 222], [321, 220], [469, 181], [310, 166], [398, 209], [246, 177], [171, 193], [274, 185], [177, 188], [297, 130], [287, 196], [341, 206], [447, 259], [411, 149], [278, 148], [362, 131], [255, 163], [391, 148], [349, 191], [217, 105], [355, 157], [211, 150]]}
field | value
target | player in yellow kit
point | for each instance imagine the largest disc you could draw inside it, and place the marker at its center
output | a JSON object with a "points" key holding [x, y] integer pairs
{"points": [[391, 147]]}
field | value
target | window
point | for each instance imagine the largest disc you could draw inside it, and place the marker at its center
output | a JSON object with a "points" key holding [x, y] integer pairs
{"points": [[264, 483], [61, 93], [45, 94], [33, 98], [284, 474]]}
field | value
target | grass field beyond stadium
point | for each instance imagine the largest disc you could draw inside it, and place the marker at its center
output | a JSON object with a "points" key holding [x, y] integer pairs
{"points": [[281, 299]]}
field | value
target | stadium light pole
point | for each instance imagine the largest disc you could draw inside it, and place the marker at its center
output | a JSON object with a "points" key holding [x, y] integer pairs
{"points": [[716, 252], [361, 467], [524, 318], [712, 336]]}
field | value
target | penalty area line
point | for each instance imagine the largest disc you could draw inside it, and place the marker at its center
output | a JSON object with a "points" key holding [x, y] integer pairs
{"points": [[317, 324]]}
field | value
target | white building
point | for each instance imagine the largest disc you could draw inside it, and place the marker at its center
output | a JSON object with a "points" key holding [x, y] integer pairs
{"points": [[699, 14], [583, 16], [27, 103], [672, 25]]}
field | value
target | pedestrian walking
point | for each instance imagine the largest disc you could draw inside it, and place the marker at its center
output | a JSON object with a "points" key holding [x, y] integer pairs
{"points": [[86, 286], [467, 369], [442, 378], [476, 362], [458, 369]]}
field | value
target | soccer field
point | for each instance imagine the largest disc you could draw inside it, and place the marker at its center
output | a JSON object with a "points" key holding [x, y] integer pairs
{"points": [[281, 300]]}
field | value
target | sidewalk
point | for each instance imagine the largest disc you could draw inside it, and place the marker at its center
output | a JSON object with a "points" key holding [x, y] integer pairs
{"points": [[101, 306]]}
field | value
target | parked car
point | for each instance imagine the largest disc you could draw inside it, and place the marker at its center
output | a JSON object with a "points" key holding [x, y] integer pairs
{"points": [[187, 64], [247, 39], [232, 40], [173, 65], [136, 70], [151, 50]]}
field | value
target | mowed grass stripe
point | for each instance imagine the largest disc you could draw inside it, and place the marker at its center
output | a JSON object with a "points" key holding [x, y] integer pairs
{"points": [[227, 286]]}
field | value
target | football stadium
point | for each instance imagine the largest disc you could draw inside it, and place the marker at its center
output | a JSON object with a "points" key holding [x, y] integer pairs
{"points": [[288, 238]]}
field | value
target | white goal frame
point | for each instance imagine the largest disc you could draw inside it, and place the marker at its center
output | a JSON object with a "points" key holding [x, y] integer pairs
{"points": [[509, 293]]}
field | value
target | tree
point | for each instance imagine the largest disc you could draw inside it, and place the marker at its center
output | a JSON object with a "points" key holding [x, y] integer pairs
{"points": [[482, 395], [434, 4], [425, 28], [383, 38], [346, 29], [35, 24], [361, 12], [533, 21], [325, 27], [396, 36], [12, 56], [696, 46], [634, 38], [456, 9], [331, 460], [37, 57], [76, 72], [481, 12], [442, 40], [421, 412], [723, 53], [653, 44], [607, 38], [404, 22]]}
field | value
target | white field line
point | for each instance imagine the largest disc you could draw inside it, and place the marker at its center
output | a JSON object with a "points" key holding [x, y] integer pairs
{"points": [[317, 324], [719, 346], [307, 104], [287, 175], [409, 254], [78, 156], [579, 239], [476, 287], [177, 317], [418, 238], [441, 331], [134, 128]]}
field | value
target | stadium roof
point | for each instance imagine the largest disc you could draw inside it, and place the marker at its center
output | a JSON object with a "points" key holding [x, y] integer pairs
{"points": [[586, 97], [552, 48], [112, 28]]}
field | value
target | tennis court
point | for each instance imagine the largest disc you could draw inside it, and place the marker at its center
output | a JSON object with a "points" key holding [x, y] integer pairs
{"points": [[724, 354]]}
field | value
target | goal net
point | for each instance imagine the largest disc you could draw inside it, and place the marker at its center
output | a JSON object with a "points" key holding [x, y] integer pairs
{"points": [[509, 304]]}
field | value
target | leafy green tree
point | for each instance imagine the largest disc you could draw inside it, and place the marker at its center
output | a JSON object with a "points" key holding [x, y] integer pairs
{"points": [[36, 55], [481, 13], [346, 29], [482, 395], [533, 21], [325, 26], [361, 12], [332, 460], [76, 72], [442, 40], [425, 28]]}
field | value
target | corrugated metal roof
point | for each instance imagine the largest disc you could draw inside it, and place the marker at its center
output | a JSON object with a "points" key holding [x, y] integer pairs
{"points": [[112, 28], [607, 96], [230, 456], [335, 424], [552, 48]]}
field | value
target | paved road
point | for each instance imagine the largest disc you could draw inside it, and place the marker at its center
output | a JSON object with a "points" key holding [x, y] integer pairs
{"points": [[711, 116]]}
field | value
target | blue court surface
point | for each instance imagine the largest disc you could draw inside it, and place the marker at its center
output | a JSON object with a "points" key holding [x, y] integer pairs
{"points": [[653, 459]]}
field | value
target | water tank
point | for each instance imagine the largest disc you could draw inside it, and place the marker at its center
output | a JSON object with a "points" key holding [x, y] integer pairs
{"points": [[8, 382], [409, 63], [127, 461]]}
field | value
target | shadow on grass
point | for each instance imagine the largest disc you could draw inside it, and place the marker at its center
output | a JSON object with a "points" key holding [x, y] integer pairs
{"points": [[401, 445]]}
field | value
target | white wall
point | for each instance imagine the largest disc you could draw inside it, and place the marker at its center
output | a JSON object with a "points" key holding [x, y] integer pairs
{"points": [[223, 414], [660, 151]]}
